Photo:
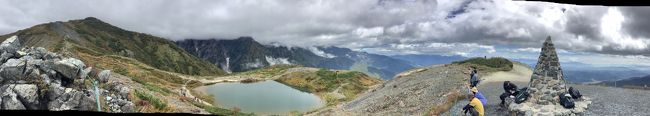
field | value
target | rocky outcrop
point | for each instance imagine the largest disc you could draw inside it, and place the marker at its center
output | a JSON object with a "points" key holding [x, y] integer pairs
{"points": [[546, 84], [35, 79], [117, 98]]}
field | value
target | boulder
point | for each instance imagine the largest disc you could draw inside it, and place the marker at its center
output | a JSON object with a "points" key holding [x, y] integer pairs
{"points": [[28, 94], [39, 52], [104, 75], [54, 91], [10, 99], [128, 107], [13, 69], [85, 72], [5, 56], [10, 45], [69, 68], [88, 102]]}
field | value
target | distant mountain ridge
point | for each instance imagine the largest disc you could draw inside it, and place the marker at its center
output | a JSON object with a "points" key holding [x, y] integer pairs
{"points": [[244, 53], [634, 81], [421, 60]]}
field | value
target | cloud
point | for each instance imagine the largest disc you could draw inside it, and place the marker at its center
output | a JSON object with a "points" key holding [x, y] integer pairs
{"points": [[380, 26], [463, 49], [534, 50]]}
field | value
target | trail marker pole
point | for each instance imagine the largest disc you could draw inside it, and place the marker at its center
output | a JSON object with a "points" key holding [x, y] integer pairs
{"points": [[99, 107]]}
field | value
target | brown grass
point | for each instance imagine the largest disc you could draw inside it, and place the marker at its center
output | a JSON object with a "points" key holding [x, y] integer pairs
{"points": [[451, 99]]}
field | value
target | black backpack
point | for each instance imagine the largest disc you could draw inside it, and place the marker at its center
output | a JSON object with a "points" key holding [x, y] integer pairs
{"points": [[575, 94], [566, 101], [522, 95]]}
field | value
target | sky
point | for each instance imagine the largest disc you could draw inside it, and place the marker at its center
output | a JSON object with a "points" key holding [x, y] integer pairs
{"points": [[597, 35]]}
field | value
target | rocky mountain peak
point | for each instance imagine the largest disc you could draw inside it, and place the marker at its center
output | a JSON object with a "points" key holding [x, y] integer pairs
{"points": [[546, 85], [247, 40]]}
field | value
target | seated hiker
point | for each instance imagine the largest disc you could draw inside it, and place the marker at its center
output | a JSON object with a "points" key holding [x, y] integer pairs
{"points": [[475, 107], [479, 96], [510, 91]]}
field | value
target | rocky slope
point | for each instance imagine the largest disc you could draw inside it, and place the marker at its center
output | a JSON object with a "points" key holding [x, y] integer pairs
{"points": [[244, 53], [415, 92], [35, 79]]}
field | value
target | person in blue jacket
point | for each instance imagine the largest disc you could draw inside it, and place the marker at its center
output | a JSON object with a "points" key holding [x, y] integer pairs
{"points": [[479, 96]]}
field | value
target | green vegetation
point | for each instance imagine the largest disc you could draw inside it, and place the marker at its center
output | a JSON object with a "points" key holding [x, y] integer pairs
{"points": [[220, 111], [489, 65], [270, 70], [363, 67], [155, 102], [121, 71], [92, 36], [451, 99], [152, 87], [324, 82]]}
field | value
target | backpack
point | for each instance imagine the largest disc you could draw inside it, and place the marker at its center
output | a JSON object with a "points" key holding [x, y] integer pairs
{"points": [[566, 101], [522, 95], [575, 94]]}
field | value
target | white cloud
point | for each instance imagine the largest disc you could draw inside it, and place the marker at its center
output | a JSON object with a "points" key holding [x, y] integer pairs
{"points": [[320, 52], [369, 32], [378, 26], [533, 50]]}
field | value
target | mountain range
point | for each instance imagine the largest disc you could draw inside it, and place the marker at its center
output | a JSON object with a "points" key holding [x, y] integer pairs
{"points": [[90, 37], [244, 53], [577, 72], [421, 60], [633, 81]]}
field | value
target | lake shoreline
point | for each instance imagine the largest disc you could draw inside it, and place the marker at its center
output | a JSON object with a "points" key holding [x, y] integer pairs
{"points": [[312, 100]]}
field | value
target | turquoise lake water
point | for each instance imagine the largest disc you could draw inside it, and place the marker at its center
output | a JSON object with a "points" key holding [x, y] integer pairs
{"points": [[266, 97]]}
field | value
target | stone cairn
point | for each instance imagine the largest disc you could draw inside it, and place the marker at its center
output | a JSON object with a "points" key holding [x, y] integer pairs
{"points": [[546, 84], [35, 79]]}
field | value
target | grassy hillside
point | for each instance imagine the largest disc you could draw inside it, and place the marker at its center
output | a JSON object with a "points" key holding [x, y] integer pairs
{"points": [[488, 65], [330, 84], [97, 38]]}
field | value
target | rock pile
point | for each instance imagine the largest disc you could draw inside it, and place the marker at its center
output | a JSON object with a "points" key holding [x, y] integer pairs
{"points": [[35, 79], [546, 84]]}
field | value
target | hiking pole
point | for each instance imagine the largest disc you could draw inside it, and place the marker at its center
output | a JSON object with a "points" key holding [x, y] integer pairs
{"points": [[99, 107]]}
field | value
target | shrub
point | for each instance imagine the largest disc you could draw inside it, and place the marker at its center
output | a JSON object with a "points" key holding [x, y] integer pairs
{"points": [[497, 63], [151, 100], [121, 71]]}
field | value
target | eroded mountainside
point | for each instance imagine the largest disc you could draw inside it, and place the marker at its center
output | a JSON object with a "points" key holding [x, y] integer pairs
{"points": [[91, 36], [244, 53]]}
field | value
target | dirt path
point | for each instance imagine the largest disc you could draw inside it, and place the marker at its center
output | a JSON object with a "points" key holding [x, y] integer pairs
{"points": [[491, 87], [519, 73], [607, 101]]}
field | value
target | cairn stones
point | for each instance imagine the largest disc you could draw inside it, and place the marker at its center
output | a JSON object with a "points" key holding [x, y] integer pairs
{"points": [[546, 84]]}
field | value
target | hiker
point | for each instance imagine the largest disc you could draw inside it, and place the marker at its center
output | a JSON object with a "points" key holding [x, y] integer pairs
{"points": [[478, 95], [510, 91], [475, 107], [473, 79]]}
